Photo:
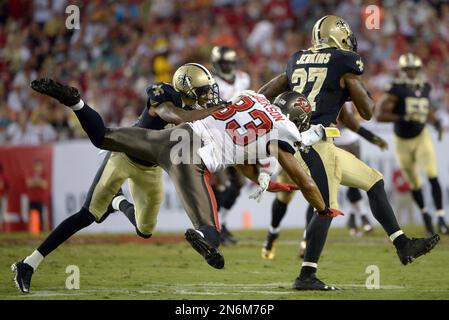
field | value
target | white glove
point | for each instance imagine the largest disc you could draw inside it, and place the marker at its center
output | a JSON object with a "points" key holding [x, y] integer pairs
{"points": [[264, 181], [313, 135]]}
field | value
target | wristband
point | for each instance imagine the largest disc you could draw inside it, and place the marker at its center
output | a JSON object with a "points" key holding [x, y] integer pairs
{"points": [[368, 135]]}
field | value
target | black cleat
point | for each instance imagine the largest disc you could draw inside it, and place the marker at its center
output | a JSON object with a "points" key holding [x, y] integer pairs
{"points": [[66, 95], [269, 248], [211, 254], [312, 283], [442, 227], [417, 247], [23, 273]]}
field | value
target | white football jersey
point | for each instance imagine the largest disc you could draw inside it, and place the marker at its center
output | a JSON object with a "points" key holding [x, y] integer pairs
{"points": [[241, 82], [239, 133]]}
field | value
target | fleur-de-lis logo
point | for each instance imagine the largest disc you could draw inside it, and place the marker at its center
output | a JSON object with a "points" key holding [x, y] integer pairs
{"points": [[343, 26], [185, 80], [157, 89]]}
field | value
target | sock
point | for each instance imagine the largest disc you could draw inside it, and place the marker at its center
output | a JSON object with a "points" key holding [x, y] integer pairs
{"points": [[316, 235], [77, 106], [428, 222], [436, 193], [419, 199], [307, 269], [274, 230], [399, 239], [92, 123], [278, 210], [440, 213], [34, 259], [128, 209], [309, 214], [381, 208], [65, 230]]}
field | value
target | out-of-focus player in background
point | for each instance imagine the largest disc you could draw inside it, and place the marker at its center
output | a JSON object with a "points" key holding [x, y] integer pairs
{"points": [[350, 129], [227, 183], [407, 104], [166, 104]]}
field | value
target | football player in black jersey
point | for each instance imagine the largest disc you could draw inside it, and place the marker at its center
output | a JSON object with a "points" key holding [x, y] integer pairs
{"points": [[328, 74], [406, 103], [166, 104]]}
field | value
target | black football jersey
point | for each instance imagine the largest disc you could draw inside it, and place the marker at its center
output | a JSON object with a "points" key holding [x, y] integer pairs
{"points": [[316, 74], [412, 106], [157, 94]]}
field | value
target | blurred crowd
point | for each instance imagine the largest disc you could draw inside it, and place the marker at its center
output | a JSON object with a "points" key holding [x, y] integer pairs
{"points": [[122, 46]]}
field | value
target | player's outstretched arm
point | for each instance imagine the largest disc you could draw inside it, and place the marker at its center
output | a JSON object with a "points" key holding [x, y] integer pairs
{"points": [[275, 87], [171, 114], [385, 109], [432, 119], [305, 183], [353, 124], [359, 95]]}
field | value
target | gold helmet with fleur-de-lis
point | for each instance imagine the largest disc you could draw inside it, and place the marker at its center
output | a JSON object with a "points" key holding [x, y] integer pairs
{"points": [[333, 31], [197, 86]]}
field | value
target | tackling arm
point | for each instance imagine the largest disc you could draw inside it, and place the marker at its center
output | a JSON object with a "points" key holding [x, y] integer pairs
{"points": [[359, 95], [275, 87], [305, 183], [171, 114]]}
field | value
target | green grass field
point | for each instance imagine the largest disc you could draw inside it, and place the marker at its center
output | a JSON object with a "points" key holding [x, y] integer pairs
{"points": [[113, 269]]}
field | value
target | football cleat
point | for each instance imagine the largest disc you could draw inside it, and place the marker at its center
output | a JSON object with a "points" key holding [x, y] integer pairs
{"points": [[442, 227], [66, 95], [417, 247], [211, 254], [312, 283], [23, 273], [269, 250], [366, 224]]}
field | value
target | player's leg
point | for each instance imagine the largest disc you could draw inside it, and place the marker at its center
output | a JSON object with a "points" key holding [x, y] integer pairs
{"points": [[356, 173], [427, 158], [303, 242], [229, 197], [140, 143], [407, 154], [96, 208], [278, 210], [325, 170], [192, 184], [147, 192]]}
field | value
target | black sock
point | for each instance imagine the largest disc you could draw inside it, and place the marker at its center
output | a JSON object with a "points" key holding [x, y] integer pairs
{"points": [[316, 235], [381, 208], [400, 241], [309, 214], [278, 210], [128, 209], [428, 222], [307, 271], [92, 123], [418, 197], [65, 230], [436, 193]]}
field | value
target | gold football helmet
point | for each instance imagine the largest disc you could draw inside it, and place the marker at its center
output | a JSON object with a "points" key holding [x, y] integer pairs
{"points": [[197, 86], [333, 31], [409, 61]]}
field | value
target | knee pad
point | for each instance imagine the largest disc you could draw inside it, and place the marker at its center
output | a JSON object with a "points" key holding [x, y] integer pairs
{"points": [[354, 195]]}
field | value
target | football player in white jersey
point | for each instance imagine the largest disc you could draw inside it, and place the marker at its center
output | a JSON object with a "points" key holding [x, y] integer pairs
{"points": [[227, 183], [244, 131]]}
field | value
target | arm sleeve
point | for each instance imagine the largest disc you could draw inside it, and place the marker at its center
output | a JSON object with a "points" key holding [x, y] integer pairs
{"points": [[353, 63]]}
